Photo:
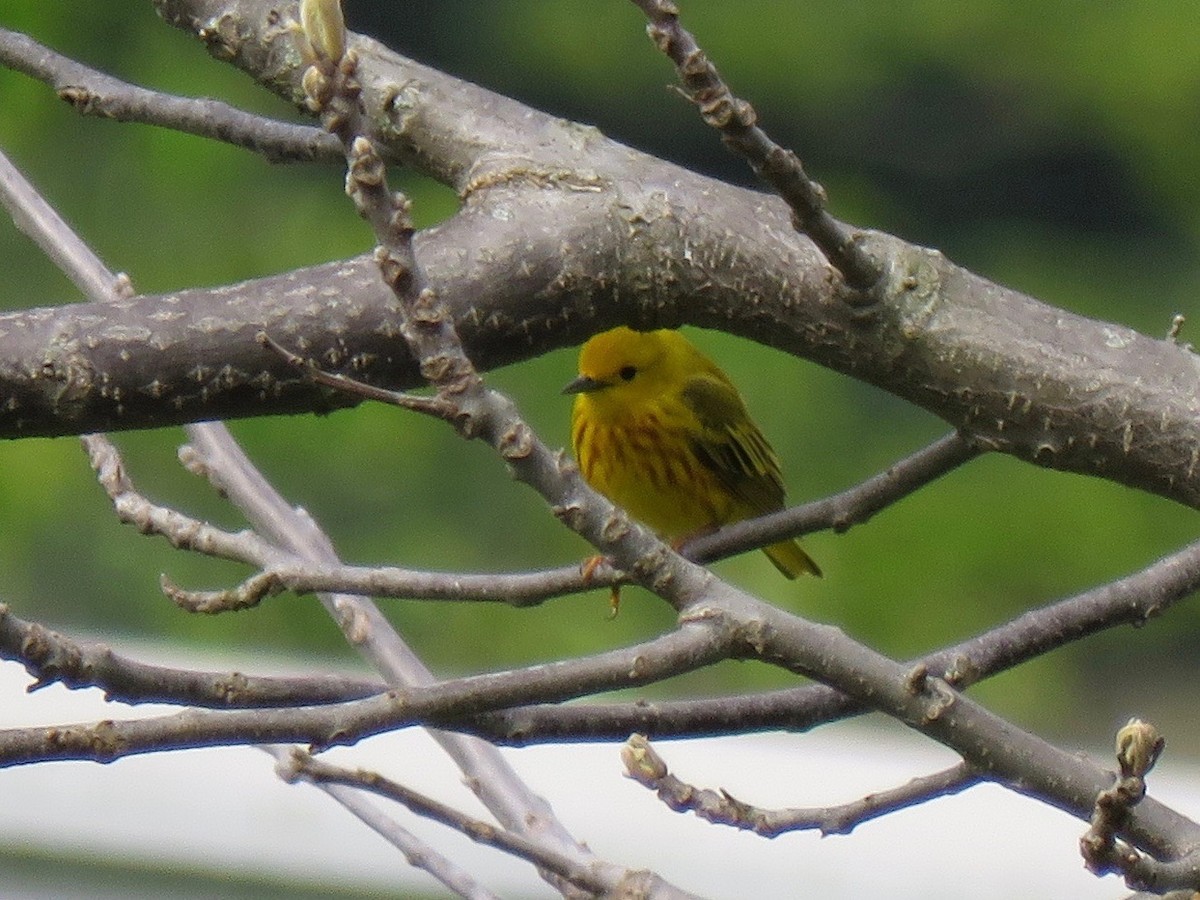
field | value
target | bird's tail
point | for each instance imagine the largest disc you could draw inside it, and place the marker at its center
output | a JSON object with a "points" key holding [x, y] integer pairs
{"points": [[791, 560]]}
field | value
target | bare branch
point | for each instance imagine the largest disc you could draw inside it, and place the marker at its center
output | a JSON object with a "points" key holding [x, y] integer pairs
{"points": [[736, 120], [302, 766], [34, 216], [431, 406], [182, 531], [845, 818], [840, 511], [282, 570], [96, 94], [513, 589], [1138, 747], [417, 852], [1127, 601], [691, 646], [646, 766], [52, 658]]}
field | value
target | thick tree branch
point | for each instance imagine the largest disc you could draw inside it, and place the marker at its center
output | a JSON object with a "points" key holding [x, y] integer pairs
{"points": [[563, 233]]}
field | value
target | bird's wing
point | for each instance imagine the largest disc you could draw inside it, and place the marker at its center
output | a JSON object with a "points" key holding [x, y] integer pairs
{"points": [[730, 444]]}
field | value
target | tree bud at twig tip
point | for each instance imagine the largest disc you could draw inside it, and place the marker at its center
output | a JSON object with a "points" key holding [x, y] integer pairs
{"points": [[642, 763], [291, 768], [324, 27], [1139, 745], [1177, 323]]}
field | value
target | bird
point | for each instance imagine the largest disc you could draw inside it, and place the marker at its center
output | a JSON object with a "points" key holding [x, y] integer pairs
{"points": [[660, 430]]}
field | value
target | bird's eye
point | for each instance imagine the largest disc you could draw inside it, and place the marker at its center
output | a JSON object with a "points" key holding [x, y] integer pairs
{"points": [[627, 373]]}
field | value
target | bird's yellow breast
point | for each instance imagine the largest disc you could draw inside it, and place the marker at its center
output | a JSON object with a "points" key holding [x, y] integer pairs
{"points": [[646, 465]]}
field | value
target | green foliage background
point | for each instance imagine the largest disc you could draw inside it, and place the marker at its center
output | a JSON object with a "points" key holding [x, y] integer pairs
{"points": [[1052, 147]]}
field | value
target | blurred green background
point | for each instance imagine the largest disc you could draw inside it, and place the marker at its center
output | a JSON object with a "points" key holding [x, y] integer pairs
{"points": [[1049, 147]]}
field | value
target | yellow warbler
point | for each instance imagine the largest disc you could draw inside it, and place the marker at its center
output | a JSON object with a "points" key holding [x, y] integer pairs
{"points": [[660, 430]]}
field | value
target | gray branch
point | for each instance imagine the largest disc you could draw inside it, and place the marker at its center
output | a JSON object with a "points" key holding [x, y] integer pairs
{"points": [[563, 232]]}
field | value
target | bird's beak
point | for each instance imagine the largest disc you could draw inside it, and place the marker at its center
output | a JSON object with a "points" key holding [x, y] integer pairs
{"points": [[584, 385]]}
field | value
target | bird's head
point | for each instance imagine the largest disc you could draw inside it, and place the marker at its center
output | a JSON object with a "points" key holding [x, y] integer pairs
{"points": [[621, 368]]}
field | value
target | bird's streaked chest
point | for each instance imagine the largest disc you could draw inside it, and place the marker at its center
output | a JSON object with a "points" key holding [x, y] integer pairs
{"points": [[649, 468]]}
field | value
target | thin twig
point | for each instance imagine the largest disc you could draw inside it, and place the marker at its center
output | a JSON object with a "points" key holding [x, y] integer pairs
{"points": [[647, 767], [38, 220], [53, 658], [846, 817], [281, 569], [184, 532], [302, 765], [431, 406], [92, 92], [418, 853], [840, 511], [735, 119]]}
